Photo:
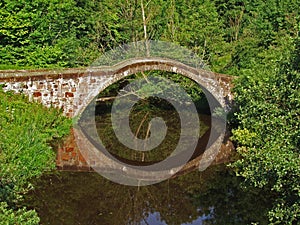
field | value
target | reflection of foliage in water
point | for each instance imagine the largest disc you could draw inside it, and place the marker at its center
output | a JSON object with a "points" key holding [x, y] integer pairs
{"points": [[232, 204], [189, 86], [147, 108], [87, 198], [139, 120]]}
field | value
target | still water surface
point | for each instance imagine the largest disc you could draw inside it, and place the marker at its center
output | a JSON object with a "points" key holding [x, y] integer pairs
{"points": [[210, 197], [213, 196]]}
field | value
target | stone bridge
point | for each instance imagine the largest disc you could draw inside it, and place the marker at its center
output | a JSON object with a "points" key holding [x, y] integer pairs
{"points": [[73, 89]]}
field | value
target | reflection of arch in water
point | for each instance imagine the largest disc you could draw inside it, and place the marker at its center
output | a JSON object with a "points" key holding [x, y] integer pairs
{"points": [[213, 86]]}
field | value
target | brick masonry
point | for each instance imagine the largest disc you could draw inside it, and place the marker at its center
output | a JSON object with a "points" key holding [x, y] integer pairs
{"points": [[69, 156]]}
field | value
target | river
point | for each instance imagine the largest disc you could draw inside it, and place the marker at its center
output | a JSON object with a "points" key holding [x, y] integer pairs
{"points": [[213, 196], [210, 197]]}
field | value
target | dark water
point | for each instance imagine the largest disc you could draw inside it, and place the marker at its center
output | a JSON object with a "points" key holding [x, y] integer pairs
{"points": [[213, 196], [127, 155], [209, 197]]}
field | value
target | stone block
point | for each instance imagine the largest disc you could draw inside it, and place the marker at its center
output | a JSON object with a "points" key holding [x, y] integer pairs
{"points": [[69, 149], [37, 94], [65, 156], [69, 95]]}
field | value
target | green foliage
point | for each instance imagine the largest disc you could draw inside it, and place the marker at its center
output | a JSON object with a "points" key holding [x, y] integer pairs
{"points": [[198, 27], [193, 90], [252, 39], [229, 35], [21, 216], [26, 129], [43, 33], [268, 137]]}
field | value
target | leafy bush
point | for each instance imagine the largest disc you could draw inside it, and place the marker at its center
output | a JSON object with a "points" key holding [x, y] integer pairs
{"points": [[26, 128], [21, 216], [268, 138]]}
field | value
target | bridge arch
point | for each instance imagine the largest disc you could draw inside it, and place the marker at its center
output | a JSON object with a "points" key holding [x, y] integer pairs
{"points": [[75, 89], [212, 85], [215, 87]]}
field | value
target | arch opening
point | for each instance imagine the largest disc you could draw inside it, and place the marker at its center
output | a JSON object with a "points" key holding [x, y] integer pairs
{"points": [[143, 112], [144, 175], [143, 66]]}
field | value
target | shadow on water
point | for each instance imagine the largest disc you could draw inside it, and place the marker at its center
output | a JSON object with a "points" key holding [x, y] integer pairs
{"points": [[209, 197]]}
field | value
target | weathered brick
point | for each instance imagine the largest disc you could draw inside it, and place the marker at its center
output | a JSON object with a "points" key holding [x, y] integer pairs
{"points": [[69, 149], [69, 94], [65, 156], [81, 158], [37, 94]]}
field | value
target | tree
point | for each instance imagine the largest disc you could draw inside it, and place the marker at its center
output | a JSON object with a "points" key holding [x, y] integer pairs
{"points": [[43, 33], [268, 137]]}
